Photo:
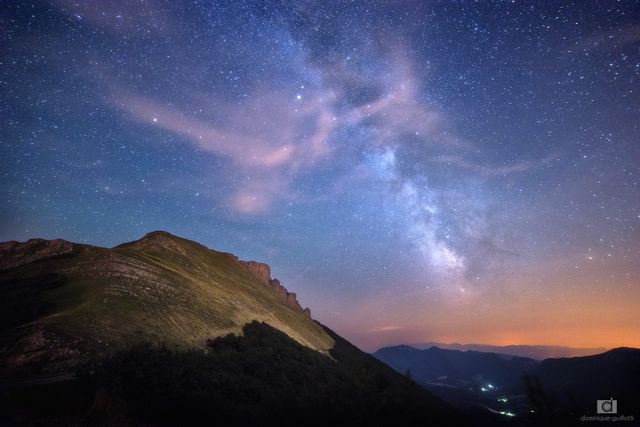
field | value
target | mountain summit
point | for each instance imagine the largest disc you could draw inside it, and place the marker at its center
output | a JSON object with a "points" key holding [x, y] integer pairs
{"points": [[63, 301]]}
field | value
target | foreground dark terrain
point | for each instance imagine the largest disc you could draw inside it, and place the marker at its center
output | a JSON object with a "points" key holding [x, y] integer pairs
{"points": [[262, 377], [163, 331]]}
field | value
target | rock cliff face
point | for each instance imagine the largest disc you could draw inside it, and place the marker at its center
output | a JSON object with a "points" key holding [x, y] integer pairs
{"points": [[263, 273], [258, 269]]}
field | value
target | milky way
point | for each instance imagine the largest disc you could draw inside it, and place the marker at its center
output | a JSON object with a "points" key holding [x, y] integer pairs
{"points": [[414, 170]]}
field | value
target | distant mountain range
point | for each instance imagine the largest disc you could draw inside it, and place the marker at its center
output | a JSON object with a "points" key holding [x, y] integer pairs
{"points": [[164, 331], [554, 391], [538, 352], [464, 369]]}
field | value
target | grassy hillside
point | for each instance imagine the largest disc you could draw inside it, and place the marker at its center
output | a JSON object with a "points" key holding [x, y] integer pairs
{"points": [[59, 309]]}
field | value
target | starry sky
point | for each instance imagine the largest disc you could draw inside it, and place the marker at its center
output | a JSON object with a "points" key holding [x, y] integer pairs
{"points": [[414, 170]]}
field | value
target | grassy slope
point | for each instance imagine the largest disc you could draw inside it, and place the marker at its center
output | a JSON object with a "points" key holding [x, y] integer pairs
{"points": [[159, 289]]}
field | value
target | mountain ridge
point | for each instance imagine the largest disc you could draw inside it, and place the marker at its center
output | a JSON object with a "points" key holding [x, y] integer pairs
{"points": [[454, 367], [61, 298], [538, 352]]}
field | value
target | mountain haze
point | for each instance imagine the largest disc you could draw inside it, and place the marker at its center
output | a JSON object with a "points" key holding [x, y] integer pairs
{"points": [[538, 352]]}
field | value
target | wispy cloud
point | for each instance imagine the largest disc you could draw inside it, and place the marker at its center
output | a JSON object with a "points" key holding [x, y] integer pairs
{"points": [[487, 170], [387, 328], [273, 134], [272, 137]]}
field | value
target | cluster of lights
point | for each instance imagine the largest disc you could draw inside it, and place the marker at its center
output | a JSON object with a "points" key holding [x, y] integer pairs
{"points": [[487, 388]]}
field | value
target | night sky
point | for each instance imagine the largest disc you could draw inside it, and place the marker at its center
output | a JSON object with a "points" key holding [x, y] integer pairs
{"points": [[415, 171]]}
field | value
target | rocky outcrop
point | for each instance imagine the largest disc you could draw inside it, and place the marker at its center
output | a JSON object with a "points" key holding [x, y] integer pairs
{"points": [[263, 273], [14, 254], [259, 270]]}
